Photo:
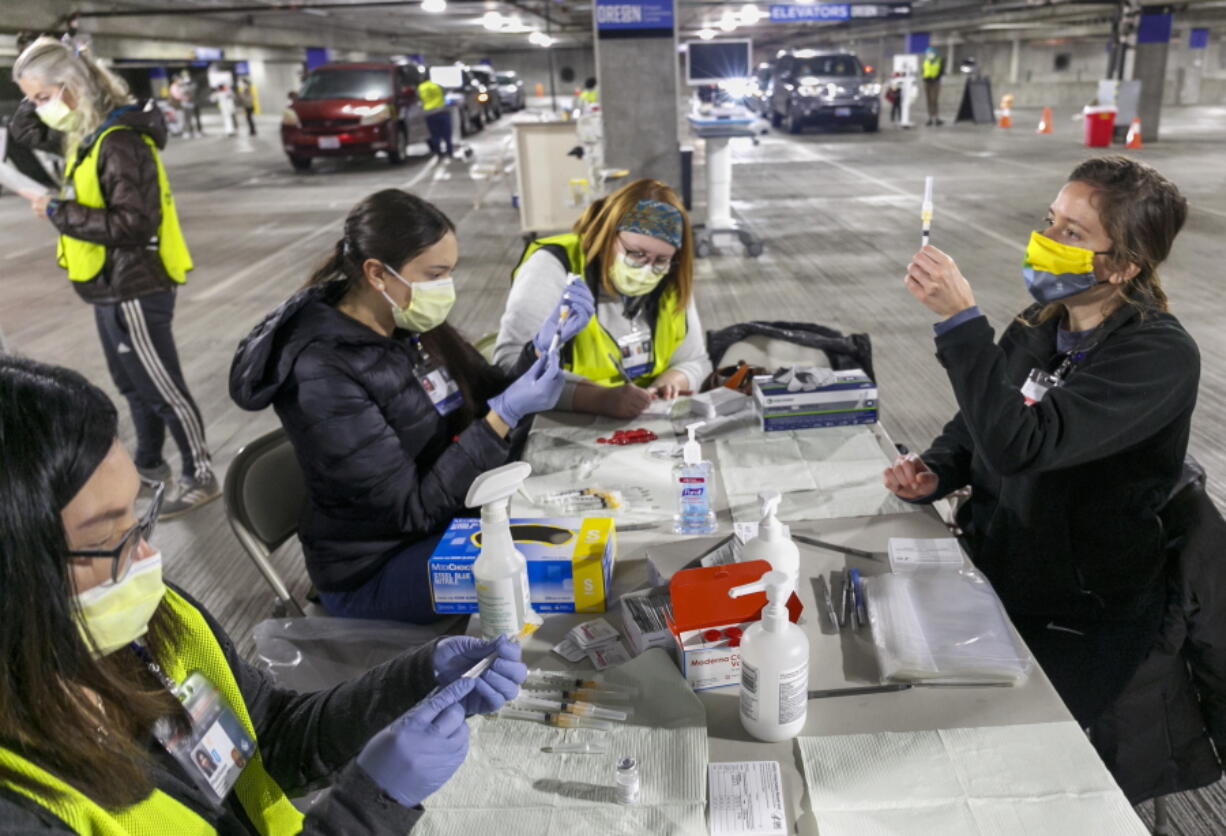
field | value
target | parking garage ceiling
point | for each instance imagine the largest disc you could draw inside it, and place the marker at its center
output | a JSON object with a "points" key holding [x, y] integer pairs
{"points": [[458, 28]]}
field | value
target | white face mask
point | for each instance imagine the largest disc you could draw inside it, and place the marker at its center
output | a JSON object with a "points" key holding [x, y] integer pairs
{"points": [[115, 614], [428, 307], [56, 115]]}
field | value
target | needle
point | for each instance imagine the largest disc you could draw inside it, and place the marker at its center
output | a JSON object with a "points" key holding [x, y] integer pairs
{"points": [[562, 315]]}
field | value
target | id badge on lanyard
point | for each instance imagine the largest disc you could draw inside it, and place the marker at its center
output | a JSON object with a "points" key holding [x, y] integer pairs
{"points": [[216, 749], [635, 349], [1038, 384], [436, 382]]}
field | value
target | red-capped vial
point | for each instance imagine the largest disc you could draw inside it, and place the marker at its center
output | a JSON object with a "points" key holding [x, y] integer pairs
{"points": [[712, 635]]}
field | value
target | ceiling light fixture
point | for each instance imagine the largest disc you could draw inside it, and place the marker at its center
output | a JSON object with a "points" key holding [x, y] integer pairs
{"points": [[728, 21], [751, 14], [434, 6], [706, 33], [492, 21]]}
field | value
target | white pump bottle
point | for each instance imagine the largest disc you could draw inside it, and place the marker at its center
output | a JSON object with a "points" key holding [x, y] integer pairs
{"points": [[774, 664], [772, 543], [500, 572]]}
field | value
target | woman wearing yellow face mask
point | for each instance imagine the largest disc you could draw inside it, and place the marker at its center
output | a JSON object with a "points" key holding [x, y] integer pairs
{"points": [[125, 709], [1072, 430], [634, 250], [391, 413]]}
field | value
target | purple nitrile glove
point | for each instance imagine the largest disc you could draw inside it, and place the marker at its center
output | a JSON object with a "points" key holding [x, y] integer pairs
{"points": [[536, 390], [578, 298], [497, 685], [419, 751]]}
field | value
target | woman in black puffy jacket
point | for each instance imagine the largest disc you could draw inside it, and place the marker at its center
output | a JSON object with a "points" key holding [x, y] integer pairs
{"points": [[391, 413]]}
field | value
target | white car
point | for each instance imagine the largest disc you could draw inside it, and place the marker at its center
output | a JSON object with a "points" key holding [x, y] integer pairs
{"points": [[510, 90]]}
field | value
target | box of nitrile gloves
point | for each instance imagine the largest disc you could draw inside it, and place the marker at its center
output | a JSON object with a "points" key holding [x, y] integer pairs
{"points": [[803, 399], [570, 563]]}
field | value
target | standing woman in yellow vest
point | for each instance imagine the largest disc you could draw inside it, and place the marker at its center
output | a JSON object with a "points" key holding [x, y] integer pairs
{"points": [[433, 100], [635, 250], [121, 245], [97, 651]]}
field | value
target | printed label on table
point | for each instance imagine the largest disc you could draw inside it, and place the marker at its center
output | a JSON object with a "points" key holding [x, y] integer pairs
{"points": [[746, 799]]}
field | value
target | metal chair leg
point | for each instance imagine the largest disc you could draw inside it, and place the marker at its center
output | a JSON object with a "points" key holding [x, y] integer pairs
{"points": [[1162, 818]]}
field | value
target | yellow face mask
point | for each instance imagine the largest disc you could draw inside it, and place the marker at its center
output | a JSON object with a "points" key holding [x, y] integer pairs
{"points": [[117, 613], [1055, 271]]}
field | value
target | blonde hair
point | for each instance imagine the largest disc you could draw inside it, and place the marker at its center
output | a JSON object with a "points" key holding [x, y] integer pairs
{"points": [[597, 230], [96, 90]]}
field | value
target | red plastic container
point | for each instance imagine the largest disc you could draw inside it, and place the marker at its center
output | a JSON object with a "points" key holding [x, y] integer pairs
{"points": [[1100, 125]]}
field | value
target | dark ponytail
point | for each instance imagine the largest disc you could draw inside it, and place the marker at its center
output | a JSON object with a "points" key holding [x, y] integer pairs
{"points": [[393, 226]]}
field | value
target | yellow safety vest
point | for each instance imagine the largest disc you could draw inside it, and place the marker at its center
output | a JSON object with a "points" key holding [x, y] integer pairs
{"points": [[431, 95], [590, 349], [932, 67], [589, 96], [84, 259], [262, 799]]}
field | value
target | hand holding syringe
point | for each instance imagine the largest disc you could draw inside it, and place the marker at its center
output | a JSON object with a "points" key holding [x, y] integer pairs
{"points": [[564, 313]]}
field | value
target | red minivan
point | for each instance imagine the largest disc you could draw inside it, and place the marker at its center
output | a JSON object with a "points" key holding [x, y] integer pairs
{"points": [[351, 110]]}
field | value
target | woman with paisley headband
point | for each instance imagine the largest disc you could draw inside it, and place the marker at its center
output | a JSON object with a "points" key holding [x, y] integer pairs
{"points": [[1071, 430], [634, 250]]}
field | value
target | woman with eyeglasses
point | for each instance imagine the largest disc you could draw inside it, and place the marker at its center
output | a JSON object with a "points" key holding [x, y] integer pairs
{"points": [[1071, 430], [120, 695], [635, 251]]}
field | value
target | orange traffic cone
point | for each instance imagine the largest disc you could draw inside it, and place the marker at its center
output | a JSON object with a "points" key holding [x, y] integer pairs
{"points": [[1006, 119], [1044, 122], [1133, 139]]}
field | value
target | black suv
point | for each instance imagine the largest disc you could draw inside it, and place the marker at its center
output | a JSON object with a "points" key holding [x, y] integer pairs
{"points": [[811, 87]]}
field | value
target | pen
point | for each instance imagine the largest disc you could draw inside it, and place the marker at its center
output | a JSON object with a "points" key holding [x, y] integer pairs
{"points": [[834, 547], [857, 596], [620, 368], [865, 689], [845, 603]]}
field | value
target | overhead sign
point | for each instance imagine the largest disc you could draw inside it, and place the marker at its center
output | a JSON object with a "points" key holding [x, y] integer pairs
{"points": [[838, 12], [625, 15]]}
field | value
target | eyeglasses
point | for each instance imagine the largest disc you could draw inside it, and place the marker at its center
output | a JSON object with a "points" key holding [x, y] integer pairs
{"points": [[123, 555], [659, 264]]}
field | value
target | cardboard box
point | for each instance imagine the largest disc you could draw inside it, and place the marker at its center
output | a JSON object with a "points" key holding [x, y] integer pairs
{"points": [[570, 563], [850, 399], [708, 624]]}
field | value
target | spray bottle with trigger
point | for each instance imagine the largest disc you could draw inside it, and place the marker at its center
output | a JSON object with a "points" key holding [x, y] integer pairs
{"points": [[693, 476], [563, 314], [500, 572], [772, 543], [774, 664]]}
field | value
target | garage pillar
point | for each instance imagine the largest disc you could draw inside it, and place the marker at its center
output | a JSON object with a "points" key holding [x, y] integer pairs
{"points": [[1149, 67]]}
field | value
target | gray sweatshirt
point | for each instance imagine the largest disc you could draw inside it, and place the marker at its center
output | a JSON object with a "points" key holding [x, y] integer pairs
{"points": [[535, 293], [305, 740]]}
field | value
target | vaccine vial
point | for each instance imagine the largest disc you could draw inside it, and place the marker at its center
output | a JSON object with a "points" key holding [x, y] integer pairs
{"points": [[627, 781]]}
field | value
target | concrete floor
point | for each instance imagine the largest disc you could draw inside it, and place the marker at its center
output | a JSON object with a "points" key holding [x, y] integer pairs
{"points": [[839, 213]]}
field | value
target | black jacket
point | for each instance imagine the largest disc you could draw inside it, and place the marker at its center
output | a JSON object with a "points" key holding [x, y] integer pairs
{"points": [[304, 739], [1063, 516], [1159, 735], [128, 176], [383, 469]]}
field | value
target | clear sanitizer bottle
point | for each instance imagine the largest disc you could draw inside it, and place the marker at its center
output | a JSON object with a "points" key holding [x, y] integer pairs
{"points": [[772, 543], [774, 665], [694, 480], [500, 572]]}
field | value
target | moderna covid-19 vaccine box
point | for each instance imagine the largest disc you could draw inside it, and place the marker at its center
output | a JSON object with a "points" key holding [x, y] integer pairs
{"points": [[570, 563]]}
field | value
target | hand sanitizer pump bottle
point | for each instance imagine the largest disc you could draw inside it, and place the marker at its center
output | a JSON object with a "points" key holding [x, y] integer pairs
{"points": [[774, 665], [500, 572], [693, 477], [772, 543]]}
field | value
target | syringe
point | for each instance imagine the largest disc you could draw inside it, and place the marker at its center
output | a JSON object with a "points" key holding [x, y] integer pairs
{"points": [[583, 709], [586, 748], [562, 721], [926, 212], [583, 694], [571, 278], [563, 679]]}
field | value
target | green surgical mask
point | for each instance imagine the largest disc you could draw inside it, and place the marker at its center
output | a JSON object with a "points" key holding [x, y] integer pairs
{"points": [[630, 280], [117, 613], [427, 308], [56, 115]]}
